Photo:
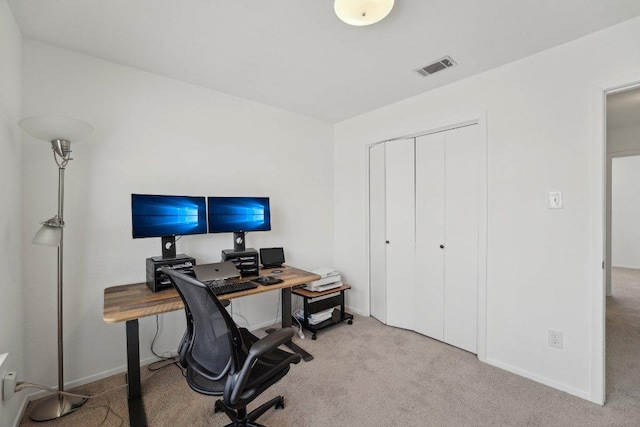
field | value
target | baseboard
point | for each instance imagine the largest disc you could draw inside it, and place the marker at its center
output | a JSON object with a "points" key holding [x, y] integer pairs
{"points": [[626, 266], [353, 310], [586, 395], [21, 411], [37, 394], [275, 324]]}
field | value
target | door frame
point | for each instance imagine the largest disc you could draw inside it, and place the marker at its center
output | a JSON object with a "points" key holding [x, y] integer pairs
{"points": [[598, 168], [480, 120]]}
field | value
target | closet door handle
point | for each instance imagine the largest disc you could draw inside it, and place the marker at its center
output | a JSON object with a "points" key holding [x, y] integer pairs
{"points": [[387, 242], [441, 246]]}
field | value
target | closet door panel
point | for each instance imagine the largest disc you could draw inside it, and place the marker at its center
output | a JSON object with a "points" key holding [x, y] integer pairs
{"points": [[430, 188], [400, 220], [377, 233], [462, 156]]}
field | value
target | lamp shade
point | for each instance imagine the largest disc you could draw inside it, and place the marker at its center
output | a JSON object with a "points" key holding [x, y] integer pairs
{"points": [[362, 12], [48, 236], [50, 128]]}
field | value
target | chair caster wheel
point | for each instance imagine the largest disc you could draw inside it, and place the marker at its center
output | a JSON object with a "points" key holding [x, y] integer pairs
{"points": [[280, 405], [314, 337], [350, 321], [216, 409]]}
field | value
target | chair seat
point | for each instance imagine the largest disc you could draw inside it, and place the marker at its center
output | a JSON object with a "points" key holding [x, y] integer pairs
{"points": [[261, 373]]}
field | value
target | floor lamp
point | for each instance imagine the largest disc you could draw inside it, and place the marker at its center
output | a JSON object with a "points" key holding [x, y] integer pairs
{"points": [[59, 131]]}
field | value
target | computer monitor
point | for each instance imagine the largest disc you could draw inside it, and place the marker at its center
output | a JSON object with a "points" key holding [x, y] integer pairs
{"points": [[166, 217], [238, 215]]}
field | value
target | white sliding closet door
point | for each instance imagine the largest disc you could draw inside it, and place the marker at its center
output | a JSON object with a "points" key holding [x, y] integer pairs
{"points": [[430, 189], [400, 225], [463, 151], [377, 233]]}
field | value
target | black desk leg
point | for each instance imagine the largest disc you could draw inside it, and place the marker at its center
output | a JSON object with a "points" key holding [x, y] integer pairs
{"points": [[137, 417], [286, 322]]}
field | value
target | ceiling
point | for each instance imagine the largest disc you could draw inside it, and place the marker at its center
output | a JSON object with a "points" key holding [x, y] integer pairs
{"points": [[297, 55]]}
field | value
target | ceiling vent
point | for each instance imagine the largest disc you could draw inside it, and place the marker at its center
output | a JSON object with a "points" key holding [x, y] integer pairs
{"points": [[440, 64]]}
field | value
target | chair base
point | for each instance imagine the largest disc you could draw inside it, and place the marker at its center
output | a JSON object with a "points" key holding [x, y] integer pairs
{"points": [[240, 418]]}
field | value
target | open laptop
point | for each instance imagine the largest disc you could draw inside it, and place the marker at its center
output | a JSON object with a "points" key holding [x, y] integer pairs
{"points": [[215, 271]]}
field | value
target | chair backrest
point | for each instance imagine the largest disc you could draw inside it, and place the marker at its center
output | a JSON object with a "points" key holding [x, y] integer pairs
{"points": [[214, 336]]}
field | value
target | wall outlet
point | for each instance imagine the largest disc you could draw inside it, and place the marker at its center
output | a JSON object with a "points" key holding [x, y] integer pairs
{"points": [[555, 338]]}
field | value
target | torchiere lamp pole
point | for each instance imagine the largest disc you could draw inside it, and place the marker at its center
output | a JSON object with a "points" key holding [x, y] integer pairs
{"points": [[59, 131]]}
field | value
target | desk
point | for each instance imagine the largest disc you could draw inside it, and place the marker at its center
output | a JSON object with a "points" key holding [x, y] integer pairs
{"points": [[128, 303]]}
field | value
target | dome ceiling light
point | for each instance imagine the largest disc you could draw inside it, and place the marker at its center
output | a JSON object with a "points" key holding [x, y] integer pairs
{"points": [[362, 12]]}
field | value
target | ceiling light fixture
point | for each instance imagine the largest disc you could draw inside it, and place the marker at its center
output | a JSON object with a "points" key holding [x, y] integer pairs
{"points": [[362, 12]]}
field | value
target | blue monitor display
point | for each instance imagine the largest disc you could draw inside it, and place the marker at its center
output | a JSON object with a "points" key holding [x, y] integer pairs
{"points": [[239, 214], [160, 216]]}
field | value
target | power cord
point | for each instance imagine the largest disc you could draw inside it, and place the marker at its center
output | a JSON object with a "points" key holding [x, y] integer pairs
{"points": [[277, 309], [238, 314], [21, 385], [154, 339], [299, 331]]}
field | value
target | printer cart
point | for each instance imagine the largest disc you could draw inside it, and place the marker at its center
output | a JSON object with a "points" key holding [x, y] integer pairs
{"points": [[311, 307]]}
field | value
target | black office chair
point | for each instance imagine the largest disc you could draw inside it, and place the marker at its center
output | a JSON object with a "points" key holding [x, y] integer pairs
{"points": [[224, 360]]}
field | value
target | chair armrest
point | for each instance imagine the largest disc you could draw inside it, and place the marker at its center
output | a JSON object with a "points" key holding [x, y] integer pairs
{"points": [[264, 345], [271, 342]]}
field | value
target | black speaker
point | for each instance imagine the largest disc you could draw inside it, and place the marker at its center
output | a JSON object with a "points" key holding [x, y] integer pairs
{"points": [[271, 257]]}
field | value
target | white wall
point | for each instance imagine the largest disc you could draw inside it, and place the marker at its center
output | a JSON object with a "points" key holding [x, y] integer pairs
{"points": [[11, 313], [160, 136], [625, 211], [538, 130]]}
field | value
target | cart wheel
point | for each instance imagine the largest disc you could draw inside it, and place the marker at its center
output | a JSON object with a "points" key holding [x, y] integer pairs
{"points": [[314, 336], [350, 321]]}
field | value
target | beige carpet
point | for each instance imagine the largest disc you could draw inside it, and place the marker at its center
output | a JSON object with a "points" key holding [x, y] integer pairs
{"points": [[368, 374]]}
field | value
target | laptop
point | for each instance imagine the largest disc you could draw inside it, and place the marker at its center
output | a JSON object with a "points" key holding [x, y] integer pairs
{"points": [[215, 271]]}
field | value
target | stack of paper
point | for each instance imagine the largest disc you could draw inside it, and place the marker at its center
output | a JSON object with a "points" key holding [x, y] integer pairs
{"points": [[320, 316]]}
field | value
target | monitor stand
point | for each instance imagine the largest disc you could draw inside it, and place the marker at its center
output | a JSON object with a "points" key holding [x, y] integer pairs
{"points": [[168, 247], [238, 241]]}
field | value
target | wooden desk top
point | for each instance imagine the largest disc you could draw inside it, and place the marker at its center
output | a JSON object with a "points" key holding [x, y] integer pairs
{"points": [[129, 302]]}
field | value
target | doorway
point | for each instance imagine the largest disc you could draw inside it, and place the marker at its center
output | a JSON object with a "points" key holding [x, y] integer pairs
{"points": [[622, 244]]}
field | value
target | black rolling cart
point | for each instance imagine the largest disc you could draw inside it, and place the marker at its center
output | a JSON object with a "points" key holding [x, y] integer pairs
{"points": [[311, 307]]}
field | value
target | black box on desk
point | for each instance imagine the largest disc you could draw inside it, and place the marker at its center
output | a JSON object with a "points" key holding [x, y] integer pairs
{"points": [[157, 280], [246, 261]]}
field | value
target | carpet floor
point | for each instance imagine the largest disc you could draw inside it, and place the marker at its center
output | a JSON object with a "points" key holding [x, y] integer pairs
{"points": [[368, 374]]}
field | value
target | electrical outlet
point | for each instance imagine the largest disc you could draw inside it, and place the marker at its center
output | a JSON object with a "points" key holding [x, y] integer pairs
{"points": [[555, 338]]}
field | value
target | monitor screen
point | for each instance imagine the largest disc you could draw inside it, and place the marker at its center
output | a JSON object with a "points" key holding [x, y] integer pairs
{"points": [[159, 216], [239, 214]]}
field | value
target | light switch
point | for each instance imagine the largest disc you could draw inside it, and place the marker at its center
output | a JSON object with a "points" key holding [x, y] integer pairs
{"points": [[555, 200]]}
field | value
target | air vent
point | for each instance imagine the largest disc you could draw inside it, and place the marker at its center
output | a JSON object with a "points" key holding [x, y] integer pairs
{"points": [[439, 65]]}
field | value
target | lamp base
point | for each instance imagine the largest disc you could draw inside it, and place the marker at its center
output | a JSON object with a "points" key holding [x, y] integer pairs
{"points": [[56, 406]]}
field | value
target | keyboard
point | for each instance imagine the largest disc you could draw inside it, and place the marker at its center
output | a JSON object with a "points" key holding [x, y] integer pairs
{"points": [[221, 287]]}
